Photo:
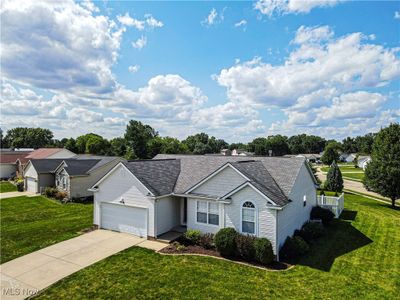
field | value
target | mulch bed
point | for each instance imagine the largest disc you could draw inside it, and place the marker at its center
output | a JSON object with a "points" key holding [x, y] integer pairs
{"points": [[274, 266]]}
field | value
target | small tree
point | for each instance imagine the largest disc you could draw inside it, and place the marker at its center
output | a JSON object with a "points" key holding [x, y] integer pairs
{"points": [[331, 154], [334, 180], [383, 171], [355, 161]]}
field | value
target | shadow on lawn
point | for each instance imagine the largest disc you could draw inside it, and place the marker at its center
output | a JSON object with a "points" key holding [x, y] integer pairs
{"points": [[340, 238]]}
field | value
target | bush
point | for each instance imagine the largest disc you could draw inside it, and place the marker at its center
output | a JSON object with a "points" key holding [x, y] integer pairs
{"points": [[60, 195], [324, 214], [294, 247], [225, 241], [312, 231], [20, 185], [50, 192], [207, 241], [192, 236], [245, 246], [263, 251]]}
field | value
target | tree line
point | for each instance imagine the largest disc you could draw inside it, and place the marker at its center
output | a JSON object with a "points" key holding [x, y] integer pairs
{"points": [[142, 141]]}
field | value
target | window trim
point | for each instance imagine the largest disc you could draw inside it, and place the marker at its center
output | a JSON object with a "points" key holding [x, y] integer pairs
{"points": [[207, 213], [255, 218]]}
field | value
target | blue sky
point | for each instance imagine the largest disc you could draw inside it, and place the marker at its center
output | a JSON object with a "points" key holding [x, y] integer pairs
{"points": [[236, 70]]}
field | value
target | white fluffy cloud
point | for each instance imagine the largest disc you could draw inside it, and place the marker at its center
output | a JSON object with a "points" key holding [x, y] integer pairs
{"points": [[213, 18], [134, 68], [140, 42], [149, 21], [241, 23], [58, 45], [283, 7]]}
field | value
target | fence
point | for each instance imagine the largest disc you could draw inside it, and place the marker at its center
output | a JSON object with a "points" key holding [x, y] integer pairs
{"points": [[335, 204]]}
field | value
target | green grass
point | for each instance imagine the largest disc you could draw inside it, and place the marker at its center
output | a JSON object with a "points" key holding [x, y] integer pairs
{"points": [[356, 259], [31, 223], [351, 176], [6, 186]]}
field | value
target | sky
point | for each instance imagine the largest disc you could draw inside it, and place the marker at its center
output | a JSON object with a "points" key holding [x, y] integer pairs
{"points": [[235, 70]]}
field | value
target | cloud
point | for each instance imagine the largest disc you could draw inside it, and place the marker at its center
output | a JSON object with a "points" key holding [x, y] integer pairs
{"points": [[241, 23], [213, 18], [134, 68], [397, 14], [312, 34], [346, 63], [128, 21], [152, 22], [140, 42], [59, 46], [283, 7]]}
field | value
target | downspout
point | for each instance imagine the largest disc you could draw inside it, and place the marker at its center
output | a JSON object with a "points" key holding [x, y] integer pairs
{"points": [[277, 236]]}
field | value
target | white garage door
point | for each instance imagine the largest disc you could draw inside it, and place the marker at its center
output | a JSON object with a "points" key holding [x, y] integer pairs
{"points": [[124, 218], [31, 185]]}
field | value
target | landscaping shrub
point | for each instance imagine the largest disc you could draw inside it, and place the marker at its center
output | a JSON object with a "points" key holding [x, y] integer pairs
{"points": [[192, 236], [294, 247], [311, 231], [245, 247], [20, 185], [50, 192], [225, 241], [263, 251], [60, 195], [324, 214], [207, 241]]}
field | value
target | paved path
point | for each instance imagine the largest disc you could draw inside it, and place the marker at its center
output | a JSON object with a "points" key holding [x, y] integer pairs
{"points": [[352, 185], [17, 194], [26, 275]]}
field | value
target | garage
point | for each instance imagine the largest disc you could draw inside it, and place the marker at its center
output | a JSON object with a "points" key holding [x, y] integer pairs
{"points": [[31, 185], [123, 218]]}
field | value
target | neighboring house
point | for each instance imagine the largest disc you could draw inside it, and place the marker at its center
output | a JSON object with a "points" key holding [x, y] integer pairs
{"points": [[40, 173], [263, 196], [345, 157], [241, 152], [75, 176], [9, 161], [226, 152], [363, 161], [313, 158]]}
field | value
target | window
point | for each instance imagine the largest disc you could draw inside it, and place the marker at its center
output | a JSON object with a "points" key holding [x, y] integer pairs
{"points": [[304, 200], [248, 218], [207, 212]]}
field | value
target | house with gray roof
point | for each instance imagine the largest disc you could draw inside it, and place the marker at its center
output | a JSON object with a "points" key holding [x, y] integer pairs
{"points": [[262, 196], [75, 176]]}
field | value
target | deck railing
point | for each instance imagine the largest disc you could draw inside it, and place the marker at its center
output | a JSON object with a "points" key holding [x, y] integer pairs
{"points": [[335, 204]]}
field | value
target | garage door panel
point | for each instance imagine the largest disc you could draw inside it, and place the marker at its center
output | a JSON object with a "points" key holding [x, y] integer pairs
{"points": [[31, 185], [124, 218]]}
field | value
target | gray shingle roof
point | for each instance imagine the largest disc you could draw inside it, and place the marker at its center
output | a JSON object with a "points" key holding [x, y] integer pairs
{"points": [[46, 165], [194, 168], [262, 180], [76, 167], [159, 176]]}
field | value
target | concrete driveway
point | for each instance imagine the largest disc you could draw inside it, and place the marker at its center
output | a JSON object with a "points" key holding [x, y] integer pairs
{"points": [[17, 194], [26, 275]]}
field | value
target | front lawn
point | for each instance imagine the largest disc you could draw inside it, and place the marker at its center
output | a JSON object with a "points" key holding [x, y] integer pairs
{"points": [[351, 176], [6, 187], [31, 223], [357, 259], [345, 168]]}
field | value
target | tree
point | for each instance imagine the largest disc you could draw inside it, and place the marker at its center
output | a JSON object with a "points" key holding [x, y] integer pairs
{"points": [[278, 144], [71, 145], [137, 136], [118, 146], [334, 180], [349, 145], [303, 143], [355, 161], [331, 154], [24, 137], [95, 144], [3, 142], [383, 171], [258, 146], [192, 140], [130, 155]]}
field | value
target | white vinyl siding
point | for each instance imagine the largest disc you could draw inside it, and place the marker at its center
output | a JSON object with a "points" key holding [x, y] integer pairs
{"points": [[31, 185], [119, 186], [295, 214], [222, 183], [168, 214]]}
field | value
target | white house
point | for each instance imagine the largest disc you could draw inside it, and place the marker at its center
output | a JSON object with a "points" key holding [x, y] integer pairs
{"points": [[75, 176], [263, 196], [39, 174], [363, 161]]}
